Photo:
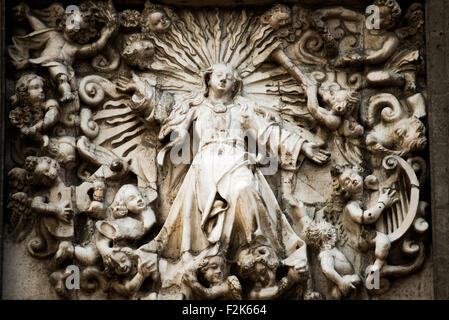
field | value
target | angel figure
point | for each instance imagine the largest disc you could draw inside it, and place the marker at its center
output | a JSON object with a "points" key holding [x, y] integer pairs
{"points": [[258, 263], [131, 216], [51, 203], [381, 47], [216, 285], [155, 18], [33, 113], [358, 221], [60, 48], [340, 118]]}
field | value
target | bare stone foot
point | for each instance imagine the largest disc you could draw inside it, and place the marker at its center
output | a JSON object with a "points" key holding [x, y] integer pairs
{"points": [[65, 252]]}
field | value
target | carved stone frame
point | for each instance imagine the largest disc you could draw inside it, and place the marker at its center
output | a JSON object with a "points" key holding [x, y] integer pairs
{"points": [[437, 47]]}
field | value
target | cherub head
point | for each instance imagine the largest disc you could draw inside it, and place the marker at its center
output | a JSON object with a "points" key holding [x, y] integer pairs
{"points": [[277, 17], [341, 101], [138, 52], [347, 181], [29, 91], [119, 261], [155, 19], [389, 13], [320, 234], [222, 79], [212, 269], [259, 264], [42, 170], [127, 199]]}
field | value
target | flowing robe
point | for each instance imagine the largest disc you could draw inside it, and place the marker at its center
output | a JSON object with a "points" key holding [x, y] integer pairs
{"points": [[222, 172]]}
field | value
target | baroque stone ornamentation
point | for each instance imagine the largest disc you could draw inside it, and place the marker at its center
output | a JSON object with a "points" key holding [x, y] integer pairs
{"points": [[176, 153]]}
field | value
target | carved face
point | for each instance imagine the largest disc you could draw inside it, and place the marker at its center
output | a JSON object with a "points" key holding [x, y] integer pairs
{"points": [[134, 201], [36, 93], [158, 21], [411, 136], [320, 235], [222, 80], [123, 263], [330, 238], [279, 20], [46, 171], [341, 101], [351, 182], [264, 270], [213, 272]]}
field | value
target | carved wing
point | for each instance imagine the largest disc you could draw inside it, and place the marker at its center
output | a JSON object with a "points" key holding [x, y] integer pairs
{"points": [[396, 220]]}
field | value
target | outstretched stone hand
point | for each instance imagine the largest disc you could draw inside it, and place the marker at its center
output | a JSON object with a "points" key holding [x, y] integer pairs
{"points": [[312, 151], [138, 87], [135, 84]]}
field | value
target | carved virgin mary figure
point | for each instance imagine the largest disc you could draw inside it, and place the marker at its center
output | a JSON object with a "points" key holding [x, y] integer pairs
{"points": [[225, 203]]}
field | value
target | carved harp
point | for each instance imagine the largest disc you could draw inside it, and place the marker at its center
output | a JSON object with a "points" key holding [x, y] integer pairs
{"points": [[396, 220]]}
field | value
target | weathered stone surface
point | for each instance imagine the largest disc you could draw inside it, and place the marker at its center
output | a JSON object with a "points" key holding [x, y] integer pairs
{"points": [[263, 152]]}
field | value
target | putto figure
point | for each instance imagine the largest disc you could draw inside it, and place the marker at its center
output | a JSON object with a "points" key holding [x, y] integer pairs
{"points": [[33, 113], [358, 221], [323, 236], [398, 67]]}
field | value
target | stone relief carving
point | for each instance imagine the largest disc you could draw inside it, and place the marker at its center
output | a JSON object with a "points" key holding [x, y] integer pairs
{"points": [[219, 153]]}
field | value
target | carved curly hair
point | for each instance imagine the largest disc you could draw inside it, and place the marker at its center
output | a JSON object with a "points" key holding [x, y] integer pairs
{"points": [[248, 258], [31, 163], [320, 233], [394, 7], [205, 262], [118, 208], [352, 96], [336, 171], [110, 265], [20, 98], [278, 8], [132, 56]]}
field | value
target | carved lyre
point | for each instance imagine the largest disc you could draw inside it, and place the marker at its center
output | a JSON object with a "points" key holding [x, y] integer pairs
{"points": [[397, 219]]}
